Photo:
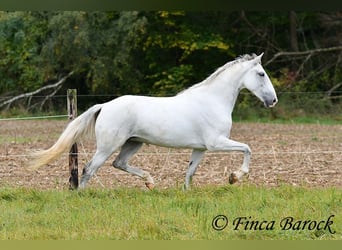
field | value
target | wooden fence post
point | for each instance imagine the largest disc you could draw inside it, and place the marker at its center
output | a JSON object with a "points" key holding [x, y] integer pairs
{"points": [[73, 160]]}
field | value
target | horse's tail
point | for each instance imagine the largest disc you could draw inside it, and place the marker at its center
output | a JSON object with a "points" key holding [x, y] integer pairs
{"points": [[79, 127]]}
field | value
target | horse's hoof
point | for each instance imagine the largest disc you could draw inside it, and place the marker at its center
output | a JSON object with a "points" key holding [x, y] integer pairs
{"points": [[233, 178], [149, 185]]}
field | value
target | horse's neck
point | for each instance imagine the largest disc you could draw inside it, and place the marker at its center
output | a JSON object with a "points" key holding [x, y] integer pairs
{"points": [[223, 89]]}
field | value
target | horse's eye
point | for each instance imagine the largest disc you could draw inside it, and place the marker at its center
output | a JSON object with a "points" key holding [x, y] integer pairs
{"points": [[261, 73]]}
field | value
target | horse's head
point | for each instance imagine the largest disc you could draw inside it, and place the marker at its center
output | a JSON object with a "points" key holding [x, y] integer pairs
{"points": [[257, 81]]}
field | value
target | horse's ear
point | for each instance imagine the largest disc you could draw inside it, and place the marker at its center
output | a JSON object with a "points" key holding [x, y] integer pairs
{"points": [[258, 58]]}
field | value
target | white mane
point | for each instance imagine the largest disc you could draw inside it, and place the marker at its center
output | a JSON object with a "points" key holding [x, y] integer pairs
{"points": [[217, 72]]}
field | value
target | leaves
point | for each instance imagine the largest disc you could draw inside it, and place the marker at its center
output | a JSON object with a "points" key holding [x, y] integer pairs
{"points": [[172, 81], [161, 52], [19, 52]]}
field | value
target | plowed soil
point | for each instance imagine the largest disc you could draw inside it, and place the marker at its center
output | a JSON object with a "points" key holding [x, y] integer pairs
{"points": [[295, 154]]}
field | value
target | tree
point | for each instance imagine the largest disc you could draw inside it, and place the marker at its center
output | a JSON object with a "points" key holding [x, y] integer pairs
{"points": [[40, 48], [163, 52], [180, 51], [20, 47]]}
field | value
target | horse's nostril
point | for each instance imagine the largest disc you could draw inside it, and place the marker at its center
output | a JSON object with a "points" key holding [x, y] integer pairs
{"points": [[271, 102]]}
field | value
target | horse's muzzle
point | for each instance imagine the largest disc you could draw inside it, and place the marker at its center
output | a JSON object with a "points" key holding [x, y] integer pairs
{"points": [[269, 103]]}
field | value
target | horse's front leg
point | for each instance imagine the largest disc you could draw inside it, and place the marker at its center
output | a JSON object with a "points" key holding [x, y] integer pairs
{"points": [[225, 144]]}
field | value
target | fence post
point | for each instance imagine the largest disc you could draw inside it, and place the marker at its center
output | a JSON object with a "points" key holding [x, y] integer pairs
{"points": [[73, 160]]}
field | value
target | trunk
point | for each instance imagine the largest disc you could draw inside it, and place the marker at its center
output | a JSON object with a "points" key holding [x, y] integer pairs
{"points": [[293, 31]]}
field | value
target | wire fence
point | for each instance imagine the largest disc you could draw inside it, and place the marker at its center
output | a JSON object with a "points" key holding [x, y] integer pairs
{"points": [[323, 100], [208, 153], [33, 117], [307, 96], [287, 160]]}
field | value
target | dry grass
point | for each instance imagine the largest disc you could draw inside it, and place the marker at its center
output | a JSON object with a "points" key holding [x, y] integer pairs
{"points": [[295, 154]]}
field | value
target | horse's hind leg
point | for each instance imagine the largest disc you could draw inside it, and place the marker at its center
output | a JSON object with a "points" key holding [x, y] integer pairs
{"points": [[103, 152], [126, 153], [90, 169]]}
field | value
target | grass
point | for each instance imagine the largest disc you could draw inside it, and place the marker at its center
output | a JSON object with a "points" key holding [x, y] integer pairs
{"points": [[130, 213], [14, 139]]}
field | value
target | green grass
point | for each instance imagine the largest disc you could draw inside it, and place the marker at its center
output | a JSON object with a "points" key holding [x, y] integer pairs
{"points": [[14, 139], [129, 213]]}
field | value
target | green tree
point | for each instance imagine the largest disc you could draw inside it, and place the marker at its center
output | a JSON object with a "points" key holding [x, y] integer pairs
{"points": [[163, 52], [97, 45], [20, 46], [180, 50], [39, 48]]}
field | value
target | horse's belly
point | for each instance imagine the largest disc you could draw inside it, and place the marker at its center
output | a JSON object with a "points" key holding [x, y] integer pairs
{"points": [[169, 134], [171, 143]]}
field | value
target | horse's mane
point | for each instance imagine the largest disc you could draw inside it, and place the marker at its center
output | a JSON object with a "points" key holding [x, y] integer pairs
{"points": [[218, 71], [239, 59]]}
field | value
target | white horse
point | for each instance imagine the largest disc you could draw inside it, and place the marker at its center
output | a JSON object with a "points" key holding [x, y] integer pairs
{"points": [[198, 118]]}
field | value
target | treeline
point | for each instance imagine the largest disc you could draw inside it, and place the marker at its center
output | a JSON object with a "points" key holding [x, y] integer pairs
{"points": [[161, 52]]}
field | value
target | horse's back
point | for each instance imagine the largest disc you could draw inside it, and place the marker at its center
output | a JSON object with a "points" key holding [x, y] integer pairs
{"points": [[164, 121]]}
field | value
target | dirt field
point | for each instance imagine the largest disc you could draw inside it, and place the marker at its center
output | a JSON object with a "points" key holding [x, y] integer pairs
{"points": [[307, 155]]}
